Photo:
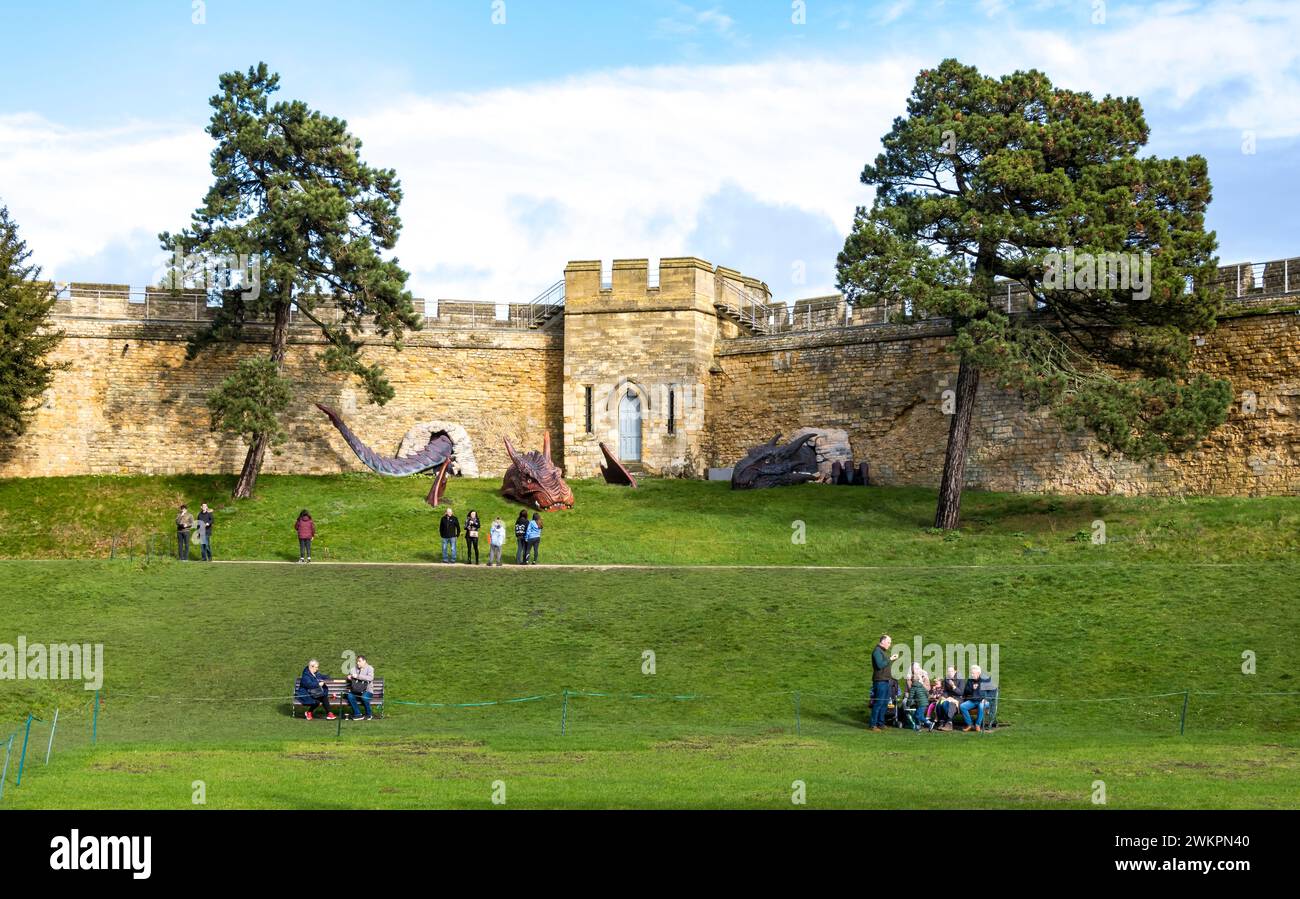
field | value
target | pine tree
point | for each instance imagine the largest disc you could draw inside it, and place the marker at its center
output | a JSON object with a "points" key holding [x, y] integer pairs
{"points": [[291, 194], [26, 338], [1012, 178]]}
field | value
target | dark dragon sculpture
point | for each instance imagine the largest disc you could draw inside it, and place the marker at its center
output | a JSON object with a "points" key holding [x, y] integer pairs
{"points": [[770, 465], [614, 471], [533, 479], [437, 454]]}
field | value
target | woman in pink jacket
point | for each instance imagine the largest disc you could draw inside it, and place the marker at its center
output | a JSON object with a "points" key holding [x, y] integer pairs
{"points": [[306, 529]]}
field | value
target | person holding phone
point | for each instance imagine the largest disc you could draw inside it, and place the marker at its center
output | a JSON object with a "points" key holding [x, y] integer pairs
{"points": [[360, 676], [881, 680]]}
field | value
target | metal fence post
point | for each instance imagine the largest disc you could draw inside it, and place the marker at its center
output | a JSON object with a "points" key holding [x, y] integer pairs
{"points": [[18, 781], [50, 747], [1182, 724], [94, 720], [5, 773], [564, 713]]}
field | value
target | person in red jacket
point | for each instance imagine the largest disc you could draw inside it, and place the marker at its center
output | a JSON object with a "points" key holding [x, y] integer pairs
{"points": [[306, 529]]}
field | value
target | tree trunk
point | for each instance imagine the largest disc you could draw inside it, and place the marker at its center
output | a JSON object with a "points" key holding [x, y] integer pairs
{"points": [[257, 451], [948, 514], [252, 465]]}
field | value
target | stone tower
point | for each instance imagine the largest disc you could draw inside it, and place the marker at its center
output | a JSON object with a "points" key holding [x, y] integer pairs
{"points": [[637, 360]]}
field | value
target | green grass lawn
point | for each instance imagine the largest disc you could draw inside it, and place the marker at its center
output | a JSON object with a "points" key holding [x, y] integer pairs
{"points": [[370, 518], [715, 725]]}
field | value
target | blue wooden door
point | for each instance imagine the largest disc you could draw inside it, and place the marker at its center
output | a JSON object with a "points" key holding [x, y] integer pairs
{"points": [[629, 428]]}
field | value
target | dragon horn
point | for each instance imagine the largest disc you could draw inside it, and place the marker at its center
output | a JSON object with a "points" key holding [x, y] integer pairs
{"points": [[510, 451], [546, 445], [794, 445]]}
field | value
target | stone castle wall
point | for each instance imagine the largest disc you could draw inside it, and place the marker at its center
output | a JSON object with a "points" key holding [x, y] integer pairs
{"points": [[885, 385], [737, 366], [132, 404]]}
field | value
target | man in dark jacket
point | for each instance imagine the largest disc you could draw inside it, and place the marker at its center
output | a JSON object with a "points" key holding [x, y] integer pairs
{"points": [[521, 538], [449, 530], [881, 680], [972, 697], [205, 516]]}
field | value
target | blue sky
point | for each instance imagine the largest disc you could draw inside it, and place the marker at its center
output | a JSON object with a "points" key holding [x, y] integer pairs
{"points": [[599, 129]]}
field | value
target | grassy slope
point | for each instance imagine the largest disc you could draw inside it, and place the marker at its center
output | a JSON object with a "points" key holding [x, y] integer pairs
{"points": [[737, 639], [365, 517]]}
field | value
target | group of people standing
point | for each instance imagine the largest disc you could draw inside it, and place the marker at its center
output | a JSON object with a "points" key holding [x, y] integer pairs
{"points": [[528, 537], [924, 704], [200, 528]]}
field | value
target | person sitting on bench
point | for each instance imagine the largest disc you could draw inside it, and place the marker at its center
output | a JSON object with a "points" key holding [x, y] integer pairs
{"points": [[360, 677], [972, 697], [312, 691], [949, 697]]}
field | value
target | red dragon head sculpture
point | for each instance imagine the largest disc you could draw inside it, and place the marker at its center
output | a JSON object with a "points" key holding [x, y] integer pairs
{"points": [[533, 479]]}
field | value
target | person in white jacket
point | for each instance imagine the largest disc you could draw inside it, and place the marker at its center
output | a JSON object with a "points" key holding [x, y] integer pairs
{"points": [[496, 540]]}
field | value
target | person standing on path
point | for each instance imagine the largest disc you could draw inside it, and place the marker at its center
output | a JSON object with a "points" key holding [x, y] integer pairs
{"points": [[521, 538], [496, 540], [306, 529], [184, 524], [471, 537], [449, 530], [205, 516], [204, 535], [534, 534]]}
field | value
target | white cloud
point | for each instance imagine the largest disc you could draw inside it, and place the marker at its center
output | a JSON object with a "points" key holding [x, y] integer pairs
{"points": [[1227, 65], [74, 193]]}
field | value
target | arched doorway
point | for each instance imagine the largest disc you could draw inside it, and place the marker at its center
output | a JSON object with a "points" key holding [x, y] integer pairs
{"points": [[629, 427]]}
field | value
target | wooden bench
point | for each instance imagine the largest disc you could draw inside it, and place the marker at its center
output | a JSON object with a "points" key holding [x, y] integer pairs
{"points": [[337, 688]]}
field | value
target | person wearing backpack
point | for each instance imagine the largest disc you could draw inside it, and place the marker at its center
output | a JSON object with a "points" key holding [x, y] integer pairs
{"points": [[360, 676], [312, 692], [521, 538], [471, 536], [496, 540], [534, 535]]}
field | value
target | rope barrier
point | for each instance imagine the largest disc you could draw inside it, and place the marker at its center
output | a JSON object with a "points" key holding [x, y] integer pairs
{"points": [[473, 705]]}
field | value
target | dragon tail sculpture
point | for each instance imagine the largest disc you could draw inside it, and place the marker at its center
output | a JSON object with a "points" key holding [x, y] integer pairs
{"points": [[533, 479], [437, 453], [439, 485], [614, 470]]}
